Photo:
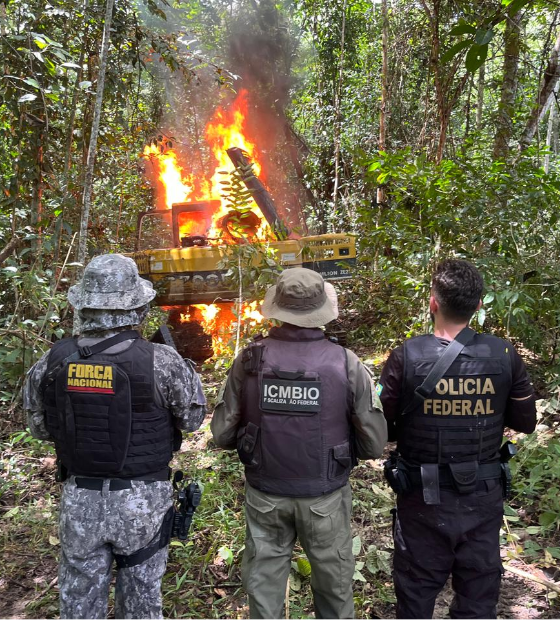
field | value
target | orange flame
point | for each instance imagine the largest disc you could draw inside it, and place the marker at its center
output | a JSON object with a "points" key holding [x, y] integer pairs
{"points": [[226, 129], [217, 320]]}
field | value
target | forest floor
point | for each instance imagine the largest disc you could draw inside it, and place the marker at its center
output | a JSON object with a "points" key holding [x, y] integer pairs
{"points": [[203, 576]]}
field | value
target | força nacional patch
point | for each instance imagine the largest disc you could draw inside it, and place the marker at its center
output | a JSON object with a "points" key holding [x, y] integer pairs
{"points": [[90, 378]]}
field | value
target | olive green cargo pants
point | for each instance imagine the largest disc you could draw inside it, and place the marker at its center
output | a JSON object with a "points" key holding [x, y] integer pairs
{"points": [[322, 525]]}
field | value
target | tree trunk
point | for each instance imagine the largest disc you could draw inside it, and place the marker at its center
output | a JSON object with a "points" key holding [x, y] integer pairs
{"points": [[92, 150], [506, 107], [338, 119], [550, 79], [480, 99], [552, 122], [13, 245], [384, 80], [68, 153]]}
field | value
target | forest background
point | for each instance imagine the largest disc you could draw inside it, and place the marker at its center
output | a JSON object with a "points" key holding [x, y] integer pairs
{"points": [[429, 128]]}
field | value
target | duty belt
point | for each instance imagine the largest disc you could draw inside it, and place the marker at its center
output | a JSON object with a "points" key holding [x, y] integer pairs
{"points": [[463, 477], [115, 484], [486, 471]]}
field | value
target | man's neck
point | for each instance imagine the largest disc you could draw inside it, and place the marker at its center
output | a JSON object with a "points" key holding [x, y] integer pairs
{"points": [[446, 329]]}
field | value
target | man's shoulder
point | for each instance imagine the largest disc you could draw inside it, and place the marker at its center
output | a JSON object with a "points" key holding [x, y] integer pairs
{"points": [[493, 341]]}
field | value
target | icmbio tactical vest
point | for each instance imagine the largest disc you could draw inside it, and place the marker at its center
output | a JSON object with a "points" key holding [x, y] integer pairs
{"points": [[102, 414], [295, 433], [462, 420]]}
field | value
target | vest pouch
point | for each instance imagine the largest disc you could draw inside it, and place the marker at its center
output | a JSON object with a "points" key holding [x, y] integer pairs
{"points": [[247, 438], [340, 462], [94, 403], [465, 476]]}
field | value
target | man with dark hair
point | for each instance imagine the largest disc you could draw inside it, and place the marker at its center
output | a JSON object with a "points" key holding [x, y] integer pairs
{"points": [[300, 410], [114, 405], [447, 397], [457, 288]]}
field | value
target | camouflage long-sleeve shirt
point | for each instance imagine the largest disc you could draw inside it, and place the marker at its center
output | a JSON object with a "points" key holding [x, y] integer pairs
{"points": [[178, 387]]}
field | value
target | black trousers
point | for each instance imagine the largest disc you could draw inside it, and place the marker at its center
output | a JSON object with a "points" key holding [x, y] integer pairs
{"points": [[460, 537]]}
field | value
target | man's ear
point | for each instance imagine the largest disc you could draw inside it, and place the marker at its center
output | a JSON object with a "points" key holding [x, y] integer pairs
{"points": [[479, 305], [434, 306]]}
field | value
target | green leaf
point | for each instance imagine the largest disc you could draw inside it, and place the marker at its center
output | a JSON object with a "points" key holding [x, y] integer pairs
{"points": [[226, 554], [32, 82], [295, 582], [533, 529], [358, 576], [514, 6], [40, 42], [303, 567], [27, 97], [462, 29], [455, 49], [509, 511], [85, 84], [356, 545], [548, 518], [476, 57], [554, 552], [488, 298], [481, 317], [483, 36]]}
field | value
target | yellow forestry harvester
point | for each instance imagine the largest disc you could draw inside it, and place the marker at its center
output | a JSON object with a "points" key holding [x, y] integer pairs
{"points": [[178, 250]]}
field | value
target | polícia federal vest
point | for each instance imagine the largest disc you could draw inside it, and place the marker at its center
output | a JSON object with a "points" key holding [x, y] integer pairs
{"points": [[462, 420], [295, 434], [102, 413]]}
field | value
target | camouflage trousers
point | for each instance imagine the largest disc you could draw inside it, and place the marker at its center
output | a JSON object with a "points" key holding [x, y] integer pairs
{"points": [[322, 525], [96, 524]]}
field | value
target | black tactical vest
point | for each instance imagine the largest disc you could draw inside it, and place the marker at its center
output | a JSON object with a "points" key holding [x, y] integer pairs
{"points": [[295, 437], [102, 414], [463, 418]]}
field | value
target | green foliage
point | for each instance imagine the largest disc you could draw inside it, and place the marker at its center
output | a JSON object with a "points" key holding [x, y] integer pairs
{"points": [[28, 326], [536, 471], [502, 218]]}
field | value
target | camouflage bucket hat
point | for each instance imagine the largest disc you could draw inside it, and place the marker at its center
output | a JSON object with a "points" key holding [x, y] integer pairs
{"points": [[111, 282], [301, 297]]}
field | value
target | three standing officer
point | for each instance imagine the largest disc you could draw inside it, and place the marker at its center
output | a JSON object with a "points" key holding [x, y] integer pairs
{"points": [[114, 405], [449, 433], [300, 410]]}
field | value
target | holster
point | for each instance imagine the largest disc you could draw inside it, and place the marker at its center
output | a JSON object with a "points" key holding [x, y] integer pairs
{"points": [[396, 474], [465, 476], [61, 471], [506, 481]]}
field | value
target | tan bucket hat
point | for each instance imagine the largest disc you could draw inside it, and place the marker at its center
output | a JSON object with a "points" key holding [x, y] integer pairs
{"points": [[301, 297], [111, 282]]}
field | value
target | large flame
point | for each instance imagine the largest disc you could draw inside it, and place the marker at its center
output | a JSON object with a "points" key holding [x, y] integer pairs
{"points": [[217, 320], [226, 129]]}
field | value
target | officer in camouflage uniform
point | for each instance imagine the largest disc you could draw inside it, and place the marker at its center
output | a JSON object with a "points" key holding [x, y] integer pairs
{"points": [[299, 409], [114, 405], [449, 481]]}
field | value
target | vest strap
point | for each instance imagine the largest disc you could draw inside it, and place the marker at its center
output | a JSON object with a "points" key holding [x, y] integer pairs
{"points": [[439, 369], [129, 334]]}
